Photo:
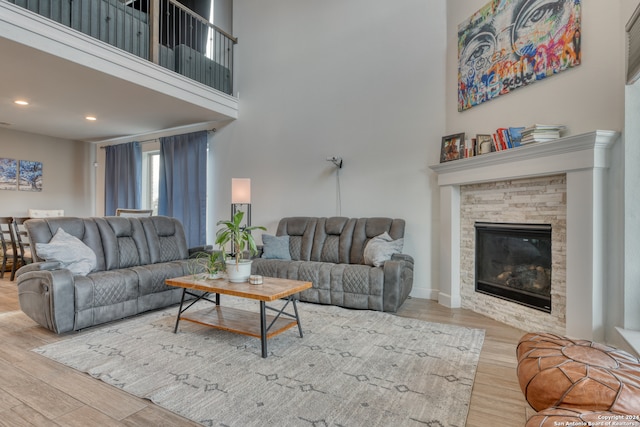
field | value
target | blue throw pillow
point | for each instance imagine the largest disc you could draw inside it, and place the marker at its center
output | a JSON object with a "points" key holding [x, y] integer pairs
{"points": [[275, 247]]}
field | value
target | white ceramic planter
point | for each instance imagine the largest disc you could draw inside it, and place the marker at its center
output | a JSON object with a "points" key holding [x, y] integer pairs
{"points": [[238, 273]]}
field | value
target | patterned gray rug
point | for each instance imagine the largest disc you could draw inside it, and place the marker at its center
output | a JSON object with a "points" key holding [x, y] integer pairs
{"points": [[352, 368]]}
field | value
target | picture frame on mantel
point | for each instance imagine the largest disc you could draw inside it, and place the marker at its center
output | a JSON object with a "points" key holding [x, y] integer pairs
{"points": [[484, 144], [451, 147]]}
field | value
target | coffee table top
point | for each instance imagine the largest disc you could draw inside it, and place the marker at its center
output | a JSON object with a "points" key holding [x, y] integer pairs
{"points": [[271, 288]]}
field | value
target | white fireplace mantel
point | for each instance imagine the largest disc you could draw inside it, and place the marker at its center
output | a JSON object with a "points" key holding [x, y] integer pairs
{"points": [[584, 159]]}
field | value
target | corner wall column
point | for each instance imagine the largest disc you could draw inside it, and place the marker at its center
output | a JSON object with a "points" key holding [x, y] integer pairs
{"points": [[585, 254], [449, 295]]}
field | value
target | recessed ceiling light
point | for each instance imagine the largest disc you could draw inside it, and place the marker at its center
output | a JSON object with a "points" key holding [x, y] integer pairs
{"points": [[91, 118], [21, 102]]}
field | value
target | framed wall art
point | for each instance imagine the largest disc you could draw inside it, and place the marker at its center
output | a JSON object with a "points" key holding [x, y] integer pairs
{"points": [[451, 148], [8, 174], [513, 43], [30, 173]]}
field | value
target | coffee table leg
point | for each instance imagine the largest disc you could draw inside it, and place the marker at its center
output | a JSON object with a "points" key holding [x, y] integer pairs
{"points": [[184, 291], [263, 328], [295, 310]]}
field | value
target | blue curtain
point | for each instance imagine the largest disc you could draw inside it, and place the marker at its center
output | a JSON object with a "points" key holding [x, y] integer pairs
{"points": [[123, 177], [183, 183]]}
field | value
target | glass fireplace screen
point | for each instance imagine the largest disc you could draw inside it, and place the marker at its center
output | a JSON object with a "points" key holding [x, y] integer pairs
{"points": [[513, 262]]}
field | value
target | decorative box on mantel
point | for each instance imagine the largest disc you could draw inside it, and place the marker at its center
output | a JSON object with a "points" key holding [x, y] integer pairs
{"points": [[583, 159]]}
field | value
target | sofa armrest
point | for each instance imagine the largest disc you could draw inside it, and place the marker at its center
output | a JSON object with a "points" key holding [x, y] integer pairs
{"points": [[47, 297], [402, 257], [398, 281], [39, 266]]}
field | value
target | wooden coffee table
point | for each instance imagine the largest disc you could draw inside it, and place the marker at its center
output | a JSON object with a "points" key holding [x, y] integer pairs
{"points": [[244, 322]]}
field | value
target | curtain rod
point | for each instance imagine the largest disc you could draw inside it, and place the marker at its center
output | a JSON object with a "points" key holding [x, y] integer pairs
{"points": [[146, 141]]}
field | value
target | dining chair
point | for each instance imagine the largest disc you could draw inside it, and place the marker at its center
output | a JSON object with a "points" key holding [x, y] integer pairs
{"points": [[134, 212], [8, 243], [45, 213], [23, 245]]}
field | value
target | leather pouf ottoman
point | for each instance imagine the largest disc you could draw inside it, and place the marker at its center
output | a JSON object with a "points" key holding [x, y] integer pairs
{"points": [[578, 374], [554, 417]]}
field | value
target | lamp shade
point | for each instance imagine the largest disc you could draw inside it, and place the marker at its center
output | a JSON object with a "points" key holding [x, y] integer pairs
{"points": [[240, 190]]}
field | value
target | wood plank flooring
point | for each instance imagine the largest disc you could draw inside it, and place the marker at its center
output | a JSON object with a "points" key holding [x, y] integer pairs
{"points": [[35, 391]]}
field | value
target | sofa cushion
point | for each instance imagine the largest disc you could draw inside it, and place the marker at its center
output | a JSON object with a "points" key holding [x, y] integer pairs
{"points": [[368, 228], [166, 239], [300, 231], [42, 230], [332, 240], [380, 248], [275, 247], [124, 242], [103, 296], [69, 251]]}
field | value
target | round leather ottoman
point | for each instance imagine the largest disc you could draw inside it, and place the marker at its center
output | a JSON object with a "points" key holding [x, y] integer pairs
{"points": [[554, 417], [579, 374]]}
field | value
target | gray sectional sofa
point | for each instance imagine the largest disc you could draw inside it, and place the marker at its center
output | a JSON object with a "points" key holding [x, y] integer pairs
{"points": [[132, 258], [332, 253]]}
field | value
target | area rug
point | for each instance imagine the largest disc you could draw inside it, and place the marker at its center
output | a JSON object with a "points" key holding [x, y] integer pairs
{"points": [[351, 368]]}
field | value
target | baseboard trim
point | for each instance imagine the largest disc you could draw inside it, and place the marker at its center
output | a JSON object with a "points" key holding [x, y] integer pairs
{"points": [[631, 338], [424, 293], [449, 301]]}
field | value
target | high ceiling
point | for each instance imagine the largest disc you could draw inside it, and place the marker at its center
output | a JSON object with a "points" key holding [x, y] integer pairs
{"points": [[61, 93]]}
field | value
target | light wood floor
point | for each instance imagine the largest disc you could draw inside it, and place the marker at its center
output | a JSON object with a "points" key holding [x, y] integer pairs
{"points": [[35, 391]]}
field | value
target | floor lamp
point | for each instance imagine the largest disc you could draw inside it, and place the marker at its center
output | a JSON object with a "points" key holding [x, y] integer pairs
{"points": [[241, 195]]}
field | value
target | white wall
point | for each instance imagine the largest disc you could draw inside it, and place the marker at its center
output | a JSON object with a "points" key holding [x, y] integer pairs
{"points": [[66, 172], [362, 80], [222, 15], [585, 98]]}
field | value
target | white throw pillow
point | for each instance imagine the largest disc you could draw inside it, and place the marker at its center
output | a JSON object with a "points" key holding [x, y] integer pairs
{"points": [[69, 251], [380, 248]]}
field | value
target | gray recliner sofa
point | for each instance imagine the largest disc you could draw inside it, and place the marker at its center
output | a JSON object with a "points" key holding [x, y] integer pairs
{"points": [[330, 253], [134, 257]]}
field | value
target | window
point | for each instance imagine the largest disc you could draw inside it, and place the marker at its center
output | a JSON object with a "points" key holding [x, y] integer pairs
{"points": [[150, 180]]}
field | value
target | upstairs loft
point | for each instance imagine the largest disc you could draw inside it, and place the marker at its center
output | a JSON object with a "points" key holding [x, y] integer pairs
{"points": [[170, 67]]}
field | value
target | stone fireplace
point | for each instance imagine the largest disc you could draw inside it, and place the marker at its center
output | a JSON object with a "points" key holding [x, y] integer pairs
{"points": [[537, 202], [561, 183]]}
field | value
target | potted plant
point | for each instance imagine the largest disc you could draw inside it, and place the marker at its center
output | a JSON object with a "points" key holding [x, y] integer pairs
{"points": [[212, 262], [238, 269]]}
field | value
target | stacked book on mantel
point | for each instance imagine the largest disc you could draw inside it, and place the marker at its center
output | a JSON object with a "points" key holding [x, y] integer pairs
{"points": [[541, 133], [505, 138]]}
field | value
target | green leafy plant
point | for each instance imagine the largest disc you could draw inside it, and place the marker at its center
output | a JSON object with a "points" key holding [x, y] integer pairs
{"points": [[238, 235], [211, 262]]}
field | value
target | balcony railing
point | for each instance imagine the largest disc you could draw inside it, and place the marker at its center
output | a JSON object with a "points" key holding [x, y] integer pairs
{"points": [[162, 31]]}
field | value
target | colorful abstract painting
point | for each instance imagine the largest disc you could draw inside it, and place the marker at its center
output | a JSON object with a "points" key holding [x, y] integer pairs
{"points": [[512, 43], [8, 174], [30, 176]]}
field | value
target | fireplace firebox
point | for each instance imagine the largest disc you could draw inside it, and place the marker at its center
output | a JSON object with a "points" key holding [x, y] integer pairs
{"points": [[513, 262]]}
